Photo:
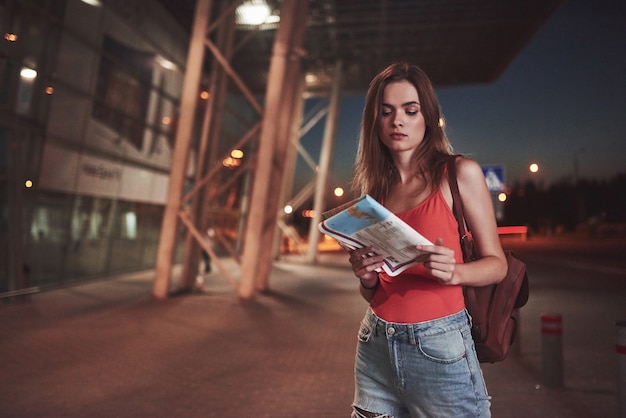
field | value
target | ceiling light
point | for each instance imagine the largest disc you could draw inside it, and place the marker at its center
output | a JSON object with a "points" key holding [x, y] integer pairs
{"points": [[96, 3], [273, 19], [165, 63], [253, 13], [311, 78], [28, 73]]}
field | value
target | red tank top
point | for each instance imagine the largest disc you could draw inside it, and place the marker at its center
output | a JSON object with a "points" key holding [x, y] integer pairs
{"points": [[414, 295]]}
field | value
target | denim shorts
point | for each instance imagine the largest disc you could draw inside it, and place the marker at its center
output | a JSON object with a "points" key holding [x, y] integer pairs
{"points": [[426, 369]]}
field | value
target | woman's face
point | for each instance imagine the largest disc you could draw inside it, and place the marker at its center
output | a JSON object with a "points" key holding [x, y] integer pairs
{"points": [[401, 125]]}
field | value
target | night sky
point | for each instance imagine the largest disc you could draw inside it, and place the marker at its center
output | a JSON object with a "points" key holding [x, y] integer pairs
{"points": [[562, 98]]}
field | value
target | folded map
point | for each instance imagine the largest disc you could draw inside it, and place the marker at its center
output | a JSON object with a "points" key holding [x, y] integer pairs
{"points": [[365, 222]]}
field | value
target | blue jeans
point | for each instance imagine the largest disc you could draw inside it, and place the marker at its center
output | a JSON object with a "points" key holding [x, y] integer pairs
{"points": [[427, 369]]}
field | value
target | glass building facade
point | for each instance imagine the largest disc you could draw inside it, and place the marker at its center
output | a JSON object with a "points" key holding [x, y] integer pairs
{"points": [[89, 98]]}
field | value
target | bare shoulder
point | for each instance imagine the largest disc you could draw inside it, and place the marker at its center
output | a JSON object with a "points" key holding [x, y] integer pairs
{"points": [[469, 172]]}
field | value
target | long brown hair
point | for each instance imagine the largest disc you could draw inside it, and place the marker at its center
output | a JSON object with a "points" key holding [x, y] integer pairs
{"points": [[374, 169]]}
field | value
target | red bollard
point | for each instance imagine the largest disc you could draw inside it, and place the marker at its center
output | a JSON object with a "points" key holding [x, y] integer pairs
{"points": [[620, 348], [552, 350]]}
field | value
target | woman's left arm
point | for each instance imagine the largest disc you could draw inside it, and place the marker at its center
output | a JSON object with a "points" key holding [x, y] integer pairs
{"points": [[491, 265]]}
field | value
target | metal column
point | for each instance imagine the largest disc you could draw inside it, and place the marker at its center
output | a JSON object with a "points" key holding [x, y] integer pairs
{"points": [[261, 222], [291, 96], [326, 156], [207, 153], [290, 163], [191, 84]]}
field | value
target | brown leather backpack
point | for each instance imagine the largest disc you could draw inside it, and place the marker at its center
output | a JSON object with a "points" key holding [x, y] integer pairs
{"points": [[494, 308]]}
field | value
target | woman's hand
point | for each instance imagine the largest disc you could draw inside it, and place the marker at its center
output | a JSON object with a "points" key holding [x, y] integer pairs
{"points": [[441, 263], [364, 263]]}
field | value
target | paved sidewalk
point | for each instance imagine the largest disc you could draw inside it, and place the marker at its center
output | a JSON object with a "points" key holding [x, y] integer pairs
{"points": [[107, 349]]}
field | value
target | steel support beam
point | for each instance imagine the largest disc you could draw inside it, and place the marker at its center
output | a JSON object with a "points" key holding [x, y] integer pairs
{"points": [[261, 221], [207, 154], [191, 87], [291, 159], [326, 156], [292, 95]]}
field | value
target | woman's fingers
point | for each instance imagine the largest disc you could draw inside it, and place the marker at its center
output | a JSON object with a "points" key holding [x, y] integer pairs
{"points": [[441, 262], [365, 261]]}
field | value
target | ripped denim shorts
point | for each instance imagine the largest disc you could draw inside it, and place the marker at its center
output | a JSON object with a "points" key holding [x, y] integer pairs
{"points": [[425, 369]]}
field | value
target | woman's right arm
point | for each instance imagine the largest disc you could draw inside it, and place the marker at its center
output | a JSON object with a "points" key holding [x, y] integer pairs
{"points": [[364, 266]]}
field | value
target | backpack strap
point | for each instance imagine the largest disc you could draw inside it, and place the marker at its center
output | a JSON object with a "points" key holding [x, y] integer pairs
{"points": [[457, 203], [467, 245]]}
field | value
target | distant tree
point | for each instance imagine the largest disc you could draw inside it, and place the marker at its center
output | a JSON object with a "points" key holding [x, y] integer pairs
{"points": [[566, 204]]}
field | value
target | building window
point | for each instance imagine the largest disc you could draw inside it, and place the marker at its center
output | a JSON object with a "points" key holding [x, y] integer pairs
{"points": [[123, 90]]}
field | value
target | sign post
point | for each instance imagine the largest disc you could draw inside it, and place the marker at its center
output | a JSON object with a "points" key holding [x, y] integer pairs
{"points": [[494, 176]]}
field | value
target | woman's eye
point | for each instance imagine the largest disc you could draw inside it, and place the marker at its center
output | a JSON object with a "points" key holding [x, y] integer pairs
{"points": [[412, 112], [385, 113]]}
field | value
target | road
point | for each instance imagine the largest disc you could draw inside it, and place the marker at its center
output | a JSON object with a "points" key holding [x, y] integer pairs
{"points": [[586, 264], [585, 282]]}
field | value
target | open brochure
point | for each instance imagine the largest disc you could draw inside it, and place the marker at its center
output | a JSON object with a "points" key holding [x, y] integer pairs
{"points": [[365, 222]]}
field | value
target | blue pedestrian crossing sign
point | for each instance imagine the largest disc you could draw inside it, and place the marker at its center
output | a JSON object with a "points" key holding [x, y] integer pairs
{"points": [[494, 175]]}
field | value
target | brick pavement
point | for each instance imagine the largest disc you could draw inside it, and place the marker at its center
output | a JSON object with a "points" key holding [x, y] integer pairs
{"points": [[108, 349]]}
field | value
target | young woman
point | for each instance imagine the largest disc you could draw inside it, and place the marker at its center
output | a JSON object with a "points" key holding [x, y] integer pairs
{"points": [[415, 355]]}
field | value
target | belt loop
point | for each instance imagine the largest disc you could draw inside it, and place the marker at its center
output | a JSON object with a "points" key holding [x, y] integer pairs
{"points": [[469, 318], [373, 320], [411, 332], [376, 322]]}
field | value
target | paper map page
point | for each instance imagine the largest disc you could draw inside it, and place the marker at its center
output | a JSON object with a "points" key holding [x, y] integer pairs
{"points": [[365, 222]]}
